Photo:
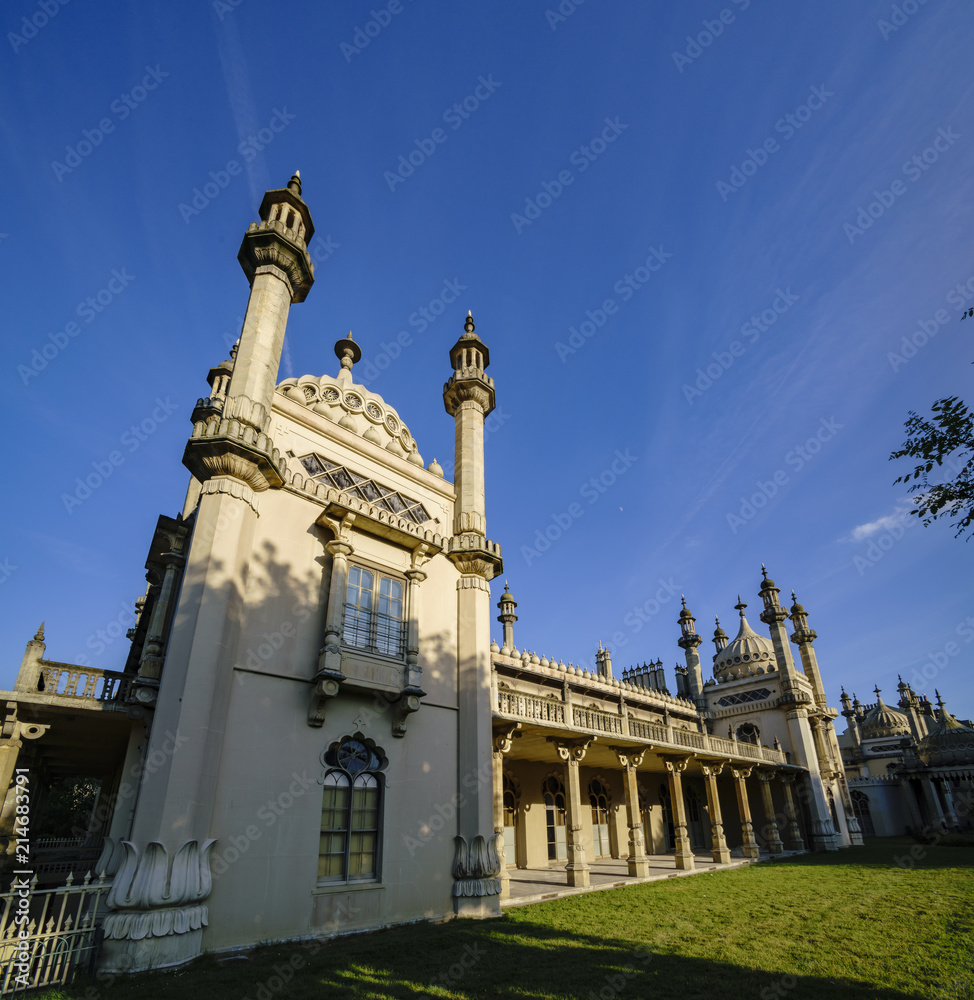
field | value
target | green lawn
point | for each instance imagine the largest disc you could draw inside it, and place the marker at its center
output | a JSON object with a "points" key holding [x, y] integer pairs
{"points": [[817, 927]]}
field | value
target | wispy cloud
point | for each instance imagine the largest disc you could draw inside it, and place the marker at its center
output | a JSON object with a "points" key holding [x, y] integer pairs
{"points": [[887, 522]]}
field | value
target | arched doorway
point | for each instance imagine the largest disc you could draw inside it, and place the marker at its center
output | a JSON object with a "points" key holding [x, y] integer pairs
{"points": [[511, 816], [669, 832], [553, 794], [860, 806], [598, 797]]}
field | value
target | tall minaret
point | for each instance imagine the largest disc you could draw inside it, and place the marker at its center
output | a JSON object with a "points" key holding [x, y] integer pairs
{"points": [[274, 256], [803, 637], [507, 618], [232, 458], [774, 616], [469, 397], [689, 641]]}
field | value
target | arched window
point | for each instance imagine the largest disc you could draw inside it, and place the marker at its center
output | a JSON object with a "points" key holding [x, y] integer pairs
{"points": [[860, 806], [669, 832], [598, 797], [351, 810], [553, 793], [749, 733]]}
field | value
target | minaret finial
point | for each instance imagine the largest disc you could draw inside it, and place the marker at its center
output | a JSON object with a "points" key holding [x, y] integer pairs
{"points": [[468, 322], [39, 634], [294, 184], [348, 352], [740, 606], [877, 689]]}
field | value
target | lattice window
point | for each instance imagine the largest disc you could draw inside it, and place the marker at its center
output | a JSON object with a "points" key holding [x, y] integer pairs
{"points": [[373, 617], [357, 485], [744, 697], [749, 733]]}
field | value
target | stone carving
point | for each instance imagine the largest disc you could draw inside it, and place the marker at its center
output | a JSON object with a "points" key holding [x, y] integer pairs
{"points": [[476, 867], [152, 900]]}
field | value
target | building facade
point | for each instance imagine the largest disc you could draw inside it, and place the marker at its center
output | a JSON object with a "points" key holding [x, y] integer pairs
{"points": [[313, 732]]}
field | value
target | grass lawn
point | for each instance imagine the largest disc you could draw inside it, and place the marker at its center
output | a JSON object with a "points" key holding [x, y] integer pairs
{"points": [[816, 927]]}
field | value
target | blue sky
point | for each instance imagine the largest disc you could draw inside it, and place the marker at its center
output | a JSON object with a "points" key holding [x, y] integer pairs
{"points": [[618, 190]]}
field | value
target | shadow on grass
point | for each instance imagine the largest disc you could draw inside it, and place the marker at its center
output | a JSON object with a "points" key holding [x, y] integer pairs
{"points": [[494, 959]]}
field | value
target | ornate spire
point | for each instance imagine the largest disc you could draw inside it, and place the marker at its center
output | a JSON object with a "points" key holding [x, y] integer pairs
{"points": [[294, 184], [720, 636], [39, 634]]}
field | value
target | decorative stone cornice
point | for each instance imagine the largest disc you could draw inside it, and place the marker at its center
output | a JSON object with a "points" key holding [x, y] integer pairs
{"points": [[473, 555], [572, 751], [265, 245], [233, 443]]}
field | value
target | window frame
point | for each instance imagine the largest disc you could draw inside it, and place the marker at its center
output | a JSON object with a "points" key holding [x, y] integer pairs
{"points": [[374, 772], [359, 621]]}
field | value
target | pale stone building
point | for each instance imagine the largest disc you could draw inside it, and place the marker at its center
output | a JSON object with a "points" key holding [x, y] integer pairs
{"points": [[314, 733]]}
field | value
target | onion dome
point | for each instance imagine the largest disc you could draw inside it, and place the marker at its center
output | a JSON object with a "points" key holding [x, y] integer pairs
{"points": [[748, 653], [949, 742], [881, 720]]}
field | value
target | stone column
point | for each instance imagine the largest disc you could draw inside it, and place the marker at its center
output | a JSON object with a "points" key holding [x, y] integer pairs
{"points": [[572, 753], [675, 766], [744, 807], [329, 676], [412, 689], [793, 835], [933, 802], [720, 850], [775, 846], [951, 813], [12, 736], [503, 741], [822, 833], [637, 861]]}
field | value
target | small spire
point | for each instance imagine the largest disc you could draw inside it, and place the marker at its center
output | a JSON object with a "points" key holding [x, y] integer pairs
{"points": [[294, 184], [233, 351], [39, 634], [877, 689], [940, 701], [740, 606], [683, 600], [348, 352], [468, 323]]}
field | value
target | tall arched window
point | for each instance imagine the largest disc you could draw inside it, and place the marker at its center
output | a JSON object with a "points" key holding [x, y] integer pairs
{"points": [[510, 820], [669, 832], [598, 797], [553, 793], [351, 810], [749, 733], [860, 806]]}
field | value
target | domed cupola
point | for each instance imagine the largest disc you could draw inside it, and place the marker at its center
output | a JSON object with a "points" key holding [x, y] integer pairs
{"points": [[883, 721], [746, 654], [949, 742]]}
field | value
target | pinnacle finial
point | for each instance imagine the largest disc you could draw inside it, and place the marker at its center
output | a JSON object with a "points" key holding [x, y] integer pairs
{"points": [[294, 184], [468, 323], [940, 701], [348, 352], [39, 634], [795, 599], [683, 600], [877, 689], [740, 606]]}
